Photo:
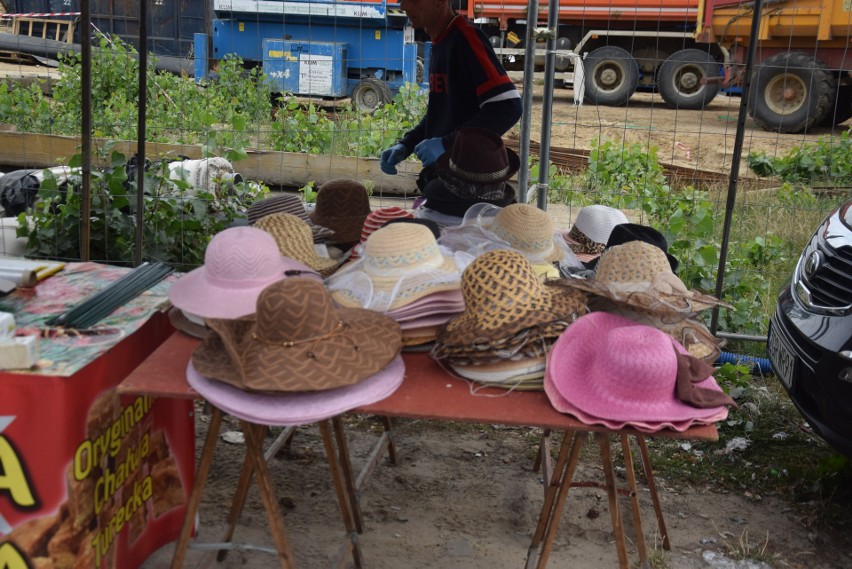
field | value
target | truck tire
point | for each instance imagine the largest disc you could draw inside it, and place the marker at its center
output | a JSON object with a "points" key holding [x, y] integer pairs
{"points": [[682, 79], [370, 94], [612, 76], [792, 92], [842, 109]]}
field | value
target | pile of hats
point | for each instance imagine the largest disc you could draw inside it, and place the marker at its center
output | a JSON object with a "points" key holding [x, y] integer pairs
{"points": [[290, 204], [609, 370], [520, 227], [636, 280], [403, 272], [376, 220], [510, 321]]}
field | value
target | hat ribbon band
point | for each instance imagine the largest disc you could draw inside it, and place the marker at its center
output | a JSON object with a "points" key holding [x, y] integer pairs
{"points": [[478, 176], [341, 326]]}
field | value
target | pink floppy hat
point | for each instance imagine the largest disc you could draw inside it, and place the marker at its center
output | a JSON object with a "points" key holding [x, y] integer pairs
{"points": [[298, 408], [612, 368], [239, 262]]}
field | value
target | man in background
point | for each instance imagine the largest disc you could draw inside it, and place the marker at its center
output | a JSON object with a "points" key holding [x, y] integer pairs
{"points": [[468, 87]]}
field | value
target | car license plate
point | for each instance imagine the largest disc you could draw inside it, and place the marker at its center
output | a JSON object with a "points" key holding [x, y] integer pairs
{"points": [[782, 358]]}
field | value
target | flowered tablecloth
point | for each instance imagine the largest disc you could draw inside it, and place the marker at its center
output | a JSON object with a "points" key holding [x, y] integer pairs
{"points": [[64, 352]]}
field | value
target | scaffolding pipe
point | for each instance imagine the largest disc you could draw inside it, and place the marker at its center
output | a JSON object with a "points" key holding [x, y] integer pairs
{"points": [[527, 102], [140, 132], [547, 102], [86, 132]]}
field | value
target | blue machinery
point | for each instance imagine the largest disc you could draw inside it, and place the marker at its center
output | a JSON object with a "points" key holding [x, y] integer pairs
{"points": [[327, 48]]}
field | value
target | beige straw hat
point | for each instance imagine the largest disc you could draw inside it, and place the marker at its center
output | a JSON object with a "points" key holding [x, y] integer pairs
{"points": [[502, 296], [295, 241], [529, 230]]}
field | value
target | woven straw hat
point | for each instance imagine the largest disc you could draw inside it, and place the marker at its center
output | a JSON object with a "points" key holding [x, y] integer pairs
{"points": [[287, 203], [376, 220], [615, 369], [638, 275], [239, 262], [400, 264], [294, 240], [301, 408], [503, 296], [529, 230], [589, 233], [342, 205], [297, 341]]}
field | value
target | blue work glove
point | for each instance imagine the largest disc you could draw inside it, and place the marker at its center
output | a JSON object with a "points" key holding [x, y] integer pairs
{"points": [[391, 157], [429, 150]]}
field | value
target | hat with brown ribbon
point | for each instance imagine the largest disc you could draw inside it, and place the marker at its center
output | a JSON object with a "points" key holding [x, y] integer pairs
{"points": [[287, 203], [294, 241], [342, 205], [479, 156], [298, 341], [502, 296], [638, 274]]}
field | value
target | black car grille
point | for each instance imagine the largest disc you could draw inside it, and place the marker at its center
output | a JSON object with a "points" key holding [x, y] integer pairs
{"points": [[809, 353], [831, 285]]}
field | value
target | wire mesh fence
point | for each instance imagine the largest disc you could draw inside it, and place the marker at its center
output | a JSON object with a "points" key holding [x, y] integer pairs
{"points": [[638, 104]]}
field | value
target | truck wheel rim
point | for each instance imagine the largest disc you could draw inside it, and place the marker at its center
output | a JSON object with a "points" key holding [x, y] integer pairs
{"points": [[785, 94], [688, 80], [609, 76]]}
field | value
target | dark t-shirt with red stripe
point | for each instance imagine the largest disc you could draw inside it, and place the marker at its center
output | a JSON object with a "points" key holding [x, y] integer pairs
{"points": [[464, 73]]}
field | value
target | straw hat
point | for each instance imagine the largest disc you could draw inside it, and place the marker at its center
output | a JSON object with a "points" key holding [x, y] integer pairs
{"points": [[615, 369], [188, 324], [287, 203], [627, 232], [638, 275], [376, 220], [529, 230], [299, 408], [294, 240], [502, 296], [342, 205], [400, 264], [239, 262], [591, 230], [297, 341]]}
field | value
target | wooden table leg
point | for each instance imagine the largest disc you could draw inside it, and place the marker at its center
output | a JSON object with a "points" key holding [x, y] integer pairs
{"points": [[392, 456], [348, 476], [652, 486], [641, 546], [340, 489], [612, 494], [195, 496], [545, 441], [254, 451]]}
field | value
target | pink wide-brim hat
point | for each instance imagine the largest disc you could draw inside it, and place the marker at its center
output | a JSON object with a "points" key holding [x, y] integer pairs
{"points": [[239, 262], [297, 408], [617, 370]]}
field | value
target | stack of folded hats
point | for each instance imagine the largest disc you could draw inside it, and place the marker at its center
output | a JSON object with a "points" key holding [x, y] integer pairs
{"points": [[287, 203], [511, 320], [611, 371], [376, 220], [294, 240], [590, 231], [239, 263], [342, 205], [404, 273], [635, 280], [521, 227], [297, 359]]}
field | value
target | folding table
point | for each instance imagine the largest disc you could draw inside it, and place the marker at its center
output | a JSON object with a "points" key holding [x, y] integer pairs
{"points": [[428, 392]]}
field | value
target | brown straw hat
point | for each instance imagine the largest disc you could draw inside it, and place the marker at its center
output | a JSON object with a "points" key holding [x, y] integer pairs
{"points": [[502, 296], [638, 274], [185, 324], [479, 156], [298, 341], [287, 203], [294, 241], [342, 205]]}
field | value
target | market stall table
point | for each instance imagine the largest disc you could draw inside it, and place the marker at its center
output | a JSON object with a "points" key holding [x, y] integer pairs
{"points": [[428, 392], [89, 478]]}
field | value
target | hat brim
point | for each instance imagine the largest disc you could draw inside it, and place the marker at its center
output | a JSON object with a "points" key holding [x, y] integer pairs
{"points": [[183, 324], [233, 354], [645, 299], [443, 163], [297, 408]]}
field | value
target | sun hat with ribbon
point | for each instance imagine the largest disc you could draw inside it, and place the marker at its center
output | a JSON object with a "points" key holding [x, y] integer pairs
{"points": [[502, 296], [591, 230], [614, 369], [480, 158], [399, 264], [342, 205], [627, 232], [297, 341], [376, 220], [287, 203], [638, 275], [239, 262], [293, 238], [297, 408]]}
